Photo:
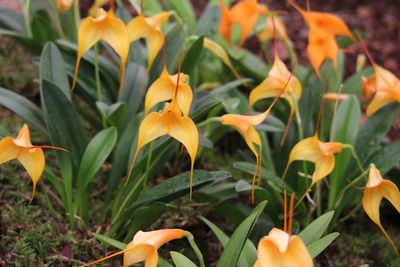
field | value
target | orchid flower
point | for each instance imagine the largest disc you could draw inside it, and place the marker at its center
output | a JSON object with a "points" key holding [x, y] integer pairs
{"points": [[324, 27], [163, 89], [96, 5], [245, 125], [376, 189], [63, 5], [149, 29], [272, 86], [245, 13], [170, 122], [31, 157], [322, 154], [268, 32], [144, 247], [105, 27], [282, 249]]}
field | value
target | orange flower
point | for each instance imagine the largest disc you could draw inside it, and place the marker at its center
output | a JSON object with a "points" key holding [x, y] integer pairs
{"points": [[105, 27], [317, 152], [272, 86], [245, 13], [30, 156], [144, 247], [163, 89], [63, 5], [280, 249], [376, 189], [383, 87], [324, 27], [149, 29]]}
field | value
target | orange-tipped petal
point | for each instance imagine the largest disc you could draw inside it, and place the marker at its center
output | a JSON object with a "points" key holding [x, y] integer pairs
{"points": [[23, 139], [244, 13], [8, 150], [298, 254], [328, 23], [139, 253], [323, 167], [225, 23], [157, 238], [33, 161], [333, 97], [321, 47]]}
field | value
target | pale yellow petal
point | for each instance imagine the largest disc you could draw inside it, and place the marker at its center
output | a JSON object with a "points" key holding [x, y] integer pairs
{"points": [[152, 259], [323, 167], [137, 253], [154, 42], [8, 150], [161, 90], [391, 192], [33, 161], [297, 254], [157, 238], [268, 253], [381, 99], [307, 149], [23, 139]]}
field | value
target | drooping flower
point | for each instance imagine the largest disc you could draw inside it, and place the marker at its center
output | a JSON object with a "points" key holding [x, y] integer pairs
{"points": [[383, 87], [268, 32], [376, 189], [322, 154], [245, 125], [171, 121], [282, 249], [324, 28], [63, 5], [106, 26], [272, 86], [245, 14], [144, 247], [149, 29], [31, 157], [163, 89]]}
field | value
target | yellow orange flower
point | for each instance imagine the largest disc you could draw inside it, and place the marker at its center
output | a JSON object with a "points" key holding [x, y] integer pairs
{"points": [[245, 14], [383, 87], [63, 5], [149, 29], [105, 27], [163, 89], [333, 97], [31, 157], [317, 152], [324, 27], [280, 249], [268, 32], [144, 247], [96, 5], [170, 122], [376, 189], [272, 86], [245, 125]]}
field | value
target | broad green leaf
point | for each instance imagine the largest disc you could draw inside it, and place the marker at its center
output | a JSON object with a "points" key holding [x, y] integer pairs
{"points": [[208, 23], [178, 186], [316, 247], [52, 68], [185, 10], [192, 58], [63, 123], [24, 108], [42, 27], [234, 247], [181, 260], [114, 114], [163, 263], [315, 229], [149, 7], [374, 129], [353, 84], [387, 157], [110, 241], [249, 253], [95, 155], [12, 20], [344, 129]]}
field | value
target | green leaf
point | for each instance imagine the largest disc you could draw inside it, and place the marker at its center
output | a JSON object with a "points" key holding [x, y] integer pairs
{"points": [[233, 249], [110, 241], [387, 157], [315, 229], [95, 155], [4, 132], [344, 129], [114, 114], [209, 21], [11, 20], [316, 247], [185, 10], [181, 260], [249, 253], [52, 68], [192, 58], [354, 83], [42, 27], [24, 108], [63, 123], [374, 129], [178, 186]]}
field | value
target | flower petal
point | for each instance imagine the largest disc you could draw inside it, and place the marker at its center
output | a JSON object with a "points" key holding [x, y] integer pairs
{"points": [[33, 161], [161, 90], [23, 139], [307, 149], [138, 253], [323, 167], [381, 99], [244, 13], [297, 254], [268, 253], [225, 23], [391, 192], [8, 150], [320, 47], [328, 23], [152, 259], [157, 238]]}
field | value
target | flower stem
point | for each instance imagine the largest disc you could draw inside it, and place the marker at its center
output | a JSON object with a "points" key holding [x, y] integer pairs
{"points": [[98, 82], [208, 120], [25, 9], [195, 248], [77, 15], [146, 174], [341, 193], [355, 156]]}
